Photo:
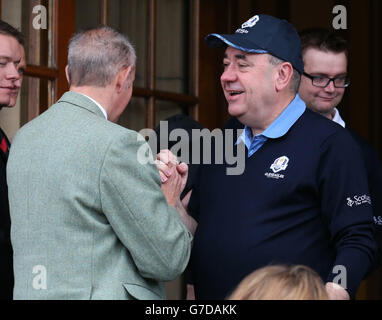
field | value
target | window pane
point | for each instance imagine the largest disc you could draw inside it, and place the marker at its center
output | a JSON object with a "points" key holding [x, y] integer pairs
{"points": [[87, 14], [130, 18], [36, 96], [11, 12], [166, 109], [172, 46], [36, 28], [133, 117]]}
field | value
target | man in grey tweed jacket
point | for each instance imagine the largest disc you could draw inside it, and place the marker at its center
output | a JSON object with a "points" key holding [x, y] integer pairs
{"points": [[88, 220]]}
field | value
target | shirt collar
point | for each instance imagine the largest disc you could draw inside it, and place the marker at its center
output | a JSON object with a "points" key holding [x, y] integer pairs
{"points": [[286, 119], [97, 104], [337, 118], [280, 125]]}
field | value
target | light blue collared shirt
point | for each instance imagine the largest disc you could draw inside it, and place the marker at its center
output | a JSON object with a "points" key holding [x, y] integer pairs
{"points": [[277, 128]]}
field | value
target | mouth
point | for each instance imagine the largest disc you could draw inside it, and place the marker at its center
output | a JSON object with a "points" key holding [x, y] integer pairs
{"points": [[327, 98], [233, 93], [10, 90]]}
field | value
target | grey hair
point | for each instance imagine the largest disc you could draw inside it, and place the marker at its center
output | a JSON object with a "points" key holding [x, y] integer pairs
{"points": [[296, 77], [97, 55]]}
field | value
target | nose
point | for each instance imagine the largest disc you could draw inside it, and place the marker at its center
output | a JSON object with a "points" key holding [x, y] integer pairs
{"points": [[17, 82], [12, 73], [330, 87], [228, 75]]}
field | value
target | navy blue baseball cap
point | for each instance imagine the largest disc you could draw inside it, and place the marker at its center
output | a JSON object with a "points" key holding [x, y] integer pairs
{"points": [[264, 34]]}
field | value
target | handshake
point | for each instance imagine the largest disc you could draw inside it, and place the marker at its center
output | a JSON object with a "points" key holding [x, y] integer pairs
{"points": [[174, 178]]}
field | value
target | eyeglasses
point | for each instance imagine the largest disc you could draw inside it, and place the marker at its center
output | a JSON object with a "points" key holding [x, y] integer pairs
{"points": [[323, 82]]}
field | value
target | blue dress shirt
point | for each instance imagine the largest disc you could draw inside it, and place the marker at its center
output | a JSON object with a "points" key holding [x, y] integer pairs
{"points": [[277, 128]]}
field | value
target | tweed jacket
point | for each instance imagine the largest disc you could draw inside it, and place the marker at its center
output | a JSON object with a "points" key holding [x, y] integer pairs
{"points": [[88, 220]]}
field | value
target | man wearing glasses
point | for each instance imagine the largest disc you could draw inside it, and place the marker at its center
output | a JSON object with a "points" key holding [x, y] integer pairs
{"points": [[325, 72], [322, 87]]}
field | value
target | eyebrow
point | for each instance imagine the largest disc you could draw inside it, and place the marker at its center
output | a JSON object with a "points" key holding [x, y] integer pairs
{"points": [[237, 56], [318, 74], [10, 59]]}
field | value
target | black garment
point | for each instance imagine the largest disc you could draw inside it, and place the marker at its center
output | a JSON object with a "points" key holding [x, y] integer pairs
{"points": [[6, 253], [374, 178], [181, 121]]}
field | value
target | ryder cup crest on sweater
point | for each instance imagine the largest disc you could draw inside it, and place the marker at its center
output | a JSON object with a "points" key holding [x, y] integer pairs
{"points": [[280, 164]]}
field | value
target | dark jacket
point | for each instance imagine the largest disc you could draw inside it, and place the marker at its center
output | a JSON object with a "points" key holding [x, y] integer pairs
{"points": [[6, 265]]}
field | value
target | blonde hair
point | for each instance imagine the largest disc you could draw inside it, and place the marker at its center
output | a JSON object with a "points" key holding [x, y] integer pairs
{"points": [[280, 282]]}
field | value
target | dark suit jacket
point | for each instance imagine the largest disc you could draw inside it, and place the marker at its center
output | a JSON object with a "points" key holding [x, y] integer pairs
{"points": [[6, 266]]}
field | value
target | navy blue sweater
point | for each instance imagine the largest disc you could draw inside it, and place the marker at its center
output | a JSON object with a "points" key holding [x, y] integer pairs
{"points": [[316, 213]]}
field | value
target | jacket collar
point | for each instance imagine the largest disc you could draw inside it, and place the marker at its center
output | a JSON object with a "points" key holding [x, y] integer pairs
{"points": [[81, 101]]}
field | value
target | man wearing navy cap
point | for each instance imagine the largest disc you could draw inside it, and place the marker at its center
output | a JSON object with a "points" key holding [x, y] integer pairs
{"points": [[303, 197]]}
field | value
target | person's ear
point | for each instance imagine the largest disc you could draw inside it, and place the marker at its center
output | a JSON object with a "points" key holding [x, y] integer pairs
{"points": [[122, 79], [283, 76], [67, 74], [131, 77]]}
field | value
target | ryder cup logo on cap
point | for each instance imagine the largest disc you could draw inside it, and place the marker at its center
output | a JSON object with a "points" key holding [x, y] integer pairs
{"points": [[250, 23], [264, 34]]}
